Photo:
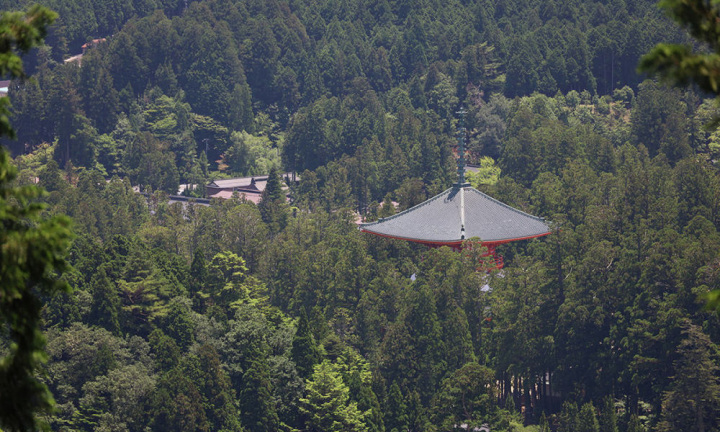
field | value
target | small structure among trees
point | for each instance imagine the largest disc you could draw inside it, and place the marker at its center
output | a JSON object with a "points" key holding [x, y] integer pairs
{"points": [[459, 214]]}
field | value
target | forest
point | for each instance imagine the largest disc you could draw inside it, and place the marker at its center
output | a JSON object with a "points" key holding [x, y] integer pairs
{"points": [[283, 316]]}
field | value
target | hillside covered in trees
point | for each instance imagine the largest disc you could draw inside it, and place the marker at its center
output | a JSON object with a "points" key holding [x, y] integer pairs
{"points": [[282, 315]]}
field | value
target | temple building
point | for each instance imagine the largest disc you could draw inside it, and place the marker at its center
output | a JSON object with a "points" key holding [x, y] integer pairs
{"points": [[458, 214]]}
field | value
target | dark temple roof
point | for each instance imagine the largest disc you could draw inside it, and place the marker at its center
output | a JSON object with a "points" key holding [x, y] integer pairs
{"points": [[441, 220]]}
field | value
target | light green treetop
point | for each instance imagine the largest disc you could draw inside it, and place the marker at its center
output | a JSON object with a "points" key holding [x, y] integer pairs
{"points": [[326, 406]]}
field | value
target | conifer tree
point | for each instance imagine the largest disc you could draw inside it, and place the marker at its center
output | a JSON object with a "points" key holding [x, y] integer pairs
{"points": [[544, 425], [106, 303], [178, 323], [256, 404], [680, 64], [587, 420], [362, 393], [691, 402], [217, 391], [304, 352], [327, 406], [634, 425], [177, 404], [395, 410], [198, 272], [51, 177], [608, 418], [273, 207], [569, 418], [416, 413], [167, 352]]}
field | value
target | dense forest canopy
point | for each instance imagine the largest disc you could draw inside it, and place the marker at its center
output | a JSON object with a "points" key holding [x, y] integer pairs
{"points": [[282, 315]]}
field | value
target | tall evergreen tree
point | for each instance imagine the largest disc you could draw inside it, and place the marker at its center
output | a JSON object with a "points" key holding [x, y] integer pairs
{"points": [[608, 418], [395, 413], [304, 352], [691, 402], [568, 420], [218, 394], [177, 404], [198, 272], [587, 419], [273, 206], [635, 425], [106, 303], [256, 404], [327, 406]]}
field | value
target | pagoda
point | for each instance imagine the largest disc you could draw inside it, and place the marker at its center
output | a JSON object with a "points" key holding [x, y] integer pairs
{"points": [[459, 213]]}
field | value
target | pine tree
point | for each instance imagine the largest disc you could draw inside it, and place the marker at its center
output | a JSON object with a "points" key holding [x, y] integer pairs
{"points": [[691, 402], [304, 352], [634, 425], [29, 114], [416, 413], [167, 352], [106, 303], [569, 417], [395, 410], [217, 391], [177, 404], [100, 99], [256, 403], [587, 420], [273, 206], [544, 425], [608, 418], [327, 406], [198, 272], [179, 324], [367, 402], [51, 177]]}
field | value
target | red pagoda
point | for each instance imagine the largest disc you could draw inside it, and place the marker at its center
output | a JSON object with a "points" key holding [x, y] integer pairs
{"points": [[459, 213]]}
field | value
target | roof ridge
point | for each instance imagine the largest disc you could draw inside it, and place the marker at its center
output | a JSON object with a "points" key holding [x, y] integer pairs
{"points": [[507, 205], [417, 206]]}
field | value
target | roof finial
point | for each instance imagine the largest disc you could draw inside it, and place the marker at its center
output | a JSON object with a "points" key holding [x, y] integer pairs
{"points": [[461, 146]]}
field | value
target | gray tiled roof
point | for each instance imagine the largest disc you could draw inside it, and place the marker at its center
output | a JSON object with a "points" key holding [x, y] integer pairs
{"points": [[441, 219]]}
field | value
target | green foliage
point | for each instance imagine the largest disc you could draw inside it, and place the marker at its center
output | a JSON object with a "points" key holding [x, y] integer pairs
{"points": [[587, 419], [256, 404], [273, 206], [106, 303], [305, 351], [326, 406], [466, 397], [251, 155], [395, 410], [19, 32], [658, 121], [32, 252], [569, 419], [487, 174], [364, 95], [218, 395], [691, 400], [109, 380], [608, 418], [177, 404], [228, 285], [679, 63]]}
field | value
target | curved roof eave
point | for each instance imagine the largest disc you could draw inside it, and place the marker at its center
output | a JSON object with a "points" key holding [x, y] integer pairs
{"points": [[459, 213], [456, 242]]}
